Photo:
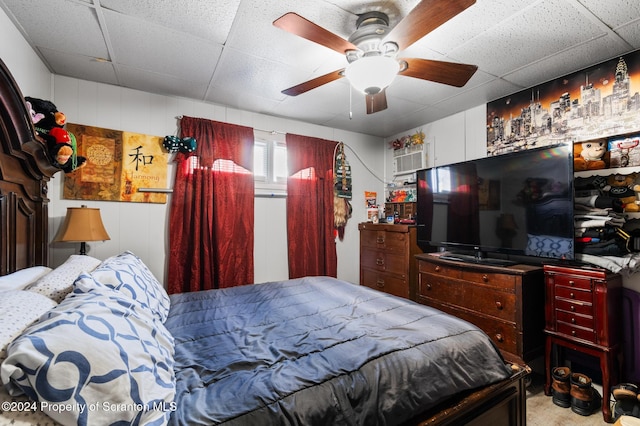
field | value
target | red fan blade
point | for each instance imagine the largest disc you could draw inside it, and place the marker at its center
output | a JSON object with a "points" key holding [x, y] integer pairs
{"points": [[450, 73], [377, 102], [296, 24], [424, 18], [313, 83]]}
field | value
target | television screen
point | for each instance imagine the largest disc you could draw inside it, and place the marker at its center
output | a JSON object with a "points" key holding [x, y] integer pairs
{"points": [[517, 204]]}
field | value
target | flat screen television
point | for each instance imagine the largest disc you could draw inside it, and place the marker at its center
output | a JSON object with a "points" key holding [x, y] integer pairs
{"points": [[499, 207]]}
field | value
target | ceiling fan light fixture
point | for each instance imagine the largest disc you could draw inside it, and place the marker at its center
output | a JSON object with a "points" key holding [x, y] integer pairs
{"points": [[372, 74]]}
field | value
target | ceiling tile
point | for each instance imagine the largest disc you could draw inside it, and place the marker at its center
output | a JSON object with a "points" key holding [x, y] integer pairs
{"points": [[82, 67], [60, 25], [161, 49], [209, 20], [159, 83]]}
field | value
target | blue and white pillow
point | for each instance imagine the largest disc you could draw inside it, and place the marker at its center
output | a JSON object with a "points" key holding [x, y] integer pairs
{"points": [[99, 356], [128, 274]]}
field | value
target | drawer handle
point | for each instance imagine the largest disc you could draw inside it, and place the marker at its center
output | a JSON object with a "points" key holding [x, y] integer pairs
{"points": [[573, 320], [499, 305], [485, 278], [428, 286], [437, 268], [573, 308], [380, 240], [499, 337], [572, 283], [379, 262], [573, 332], [573, 296], [380, 283]]}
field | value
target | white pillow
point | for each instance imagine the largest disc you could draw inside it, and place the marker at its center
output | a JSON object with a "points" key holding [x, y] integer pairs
{"points": [[20, 279], [93, 349], [59, 282], [18, 310]]}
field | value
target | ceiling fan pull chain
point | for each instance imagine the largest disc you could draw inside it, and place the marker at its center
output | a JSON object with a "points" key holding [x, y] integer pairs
{"points": [[350, 102]]}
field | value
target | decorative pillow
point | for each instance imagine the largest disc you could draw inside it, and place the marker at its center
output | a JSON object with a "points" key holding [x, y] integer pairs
{"points": [[549, 246], [128, 274], [20, 279], [99, 358], [18, 310], [59, 282]]}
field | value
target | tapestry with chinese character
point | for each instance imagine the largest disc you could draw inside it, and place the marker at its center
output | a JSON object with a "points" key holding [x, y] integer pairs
{"points": [[118, 164]]}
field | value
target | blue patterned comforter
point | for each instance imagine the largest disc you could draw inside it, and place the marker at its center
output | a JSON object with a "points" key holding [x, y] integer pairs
{"points": [[319, 351]]}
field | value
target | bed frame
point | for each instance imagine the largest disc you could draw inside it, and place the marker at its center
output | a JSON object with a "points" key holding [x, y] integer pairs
{"points": [[25, 170]]}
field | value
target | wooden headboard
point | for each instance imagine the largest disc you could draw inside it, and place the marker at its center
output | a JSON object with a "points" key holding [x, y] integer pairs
{"points": [[25, 170]]}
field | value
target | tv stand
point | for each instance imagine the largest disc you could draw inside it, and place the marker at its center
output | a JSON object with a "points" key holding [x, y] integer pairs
{"points": [[506, 302]]}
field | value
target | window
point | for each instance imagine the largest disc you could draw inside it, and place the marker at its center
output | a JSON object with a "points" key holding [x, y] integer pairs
{"points": [[270, 163]]}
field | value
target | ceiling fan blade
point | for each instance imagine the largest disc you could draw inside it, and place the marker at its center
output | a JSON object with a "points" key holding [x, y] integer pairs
{"points": [[296, 24], [450, 73], [424, 18], [313, 83], [377, 102]]}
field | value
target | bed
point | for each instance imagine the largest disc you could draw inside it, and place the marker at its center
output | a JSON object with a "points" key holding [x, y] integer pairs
{"points": [[98, 341]]}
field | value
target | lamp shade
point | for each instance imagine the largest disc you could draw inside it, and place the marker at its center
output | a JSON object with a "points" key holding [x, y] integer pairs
{"points": [[371, 74], [80, 225]]}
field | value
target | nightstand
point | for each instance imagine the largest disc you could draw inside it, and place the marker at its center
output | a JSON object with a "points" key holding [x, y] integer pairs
{"points": [[582, 313]]}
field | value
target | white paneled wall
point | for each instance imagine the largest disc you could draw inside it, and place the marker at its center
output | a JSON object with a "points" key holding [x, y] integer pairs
{"points": [[142, 228]]}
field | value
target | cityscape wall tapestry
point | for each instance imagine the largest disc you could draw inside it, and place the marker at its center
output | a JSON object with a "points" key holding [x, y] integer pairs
{"points": [[597, 102], [118, 164]]}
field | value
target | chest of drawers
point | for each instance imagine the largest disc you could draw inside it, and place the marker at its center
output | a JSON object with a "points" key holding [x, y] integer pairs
{"points": [[387, 258], [583, 309], [505, 302]]}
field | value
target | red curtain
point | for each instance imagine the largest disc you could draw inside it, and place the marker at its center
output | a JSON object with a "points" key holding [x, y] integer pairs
{"points": [[310, 232], [211, 216]]}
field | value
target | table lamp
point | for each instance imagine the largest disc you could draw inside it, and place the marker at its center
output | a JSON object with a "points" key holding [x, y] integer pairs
{"points": [[82, 224]]}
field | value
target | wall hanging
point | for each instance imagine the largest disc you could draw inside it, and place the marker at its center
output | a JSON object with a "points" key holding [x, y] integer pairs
{"points": [[118, 164], [599, 101]]}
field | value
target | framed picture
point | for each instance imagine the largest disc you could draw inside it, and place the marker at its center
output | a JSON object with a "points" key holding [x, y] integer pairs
{"points": [[118, 164]]}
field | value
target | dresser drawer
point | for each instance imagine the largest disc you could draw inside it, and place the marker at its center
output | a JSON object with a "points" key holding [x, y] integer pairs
{"points": [[385, 282], [573, 294], [491, 302], [503, 281], [583, 308], [585, 321], [439, 270], [504, 334], [383, 261], [383, 240], [575, 331], [573, 282]]}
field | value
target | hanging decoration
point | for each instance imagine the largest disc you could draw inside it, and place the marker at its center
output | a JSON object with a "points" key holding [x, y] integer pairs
{"points": [[341, 190], [407, 141], [175, 144], [342, 173]]}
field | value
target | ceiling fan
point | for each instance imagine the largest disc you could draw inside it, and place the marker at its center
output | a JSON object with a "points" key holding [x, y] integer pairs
{"points": [[373, 47]]}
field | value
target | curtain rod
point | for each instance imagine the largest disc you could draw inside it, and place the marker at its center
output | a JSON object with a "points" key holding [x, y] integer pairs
{"points": [[273, 132]]}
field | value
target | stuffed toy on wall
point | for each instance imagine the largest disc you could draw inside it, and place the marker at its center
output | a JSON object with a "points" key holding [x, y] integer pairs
{"points": [[49, 124], [589, 155]]}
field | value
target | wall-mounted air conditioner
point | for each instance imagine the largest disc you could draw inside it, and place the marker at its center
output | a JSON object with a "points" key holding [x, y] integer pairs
{"points": [[409, 159]]}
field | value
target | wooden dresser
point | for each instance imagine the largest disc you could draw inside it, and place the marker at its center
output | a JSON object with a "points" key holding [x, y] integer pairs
{"points": [[506, 302], [387, 258], [583, 312]]}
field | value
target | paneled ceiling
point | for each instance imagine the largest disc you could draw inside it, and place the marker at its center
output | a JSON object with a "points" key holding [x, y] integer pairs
{"points": [[228, 52]]}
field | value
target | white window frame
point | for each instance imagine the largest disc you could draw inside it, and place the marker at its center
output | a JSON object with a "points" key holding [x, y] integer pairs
{"points": [[269, 184]]}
